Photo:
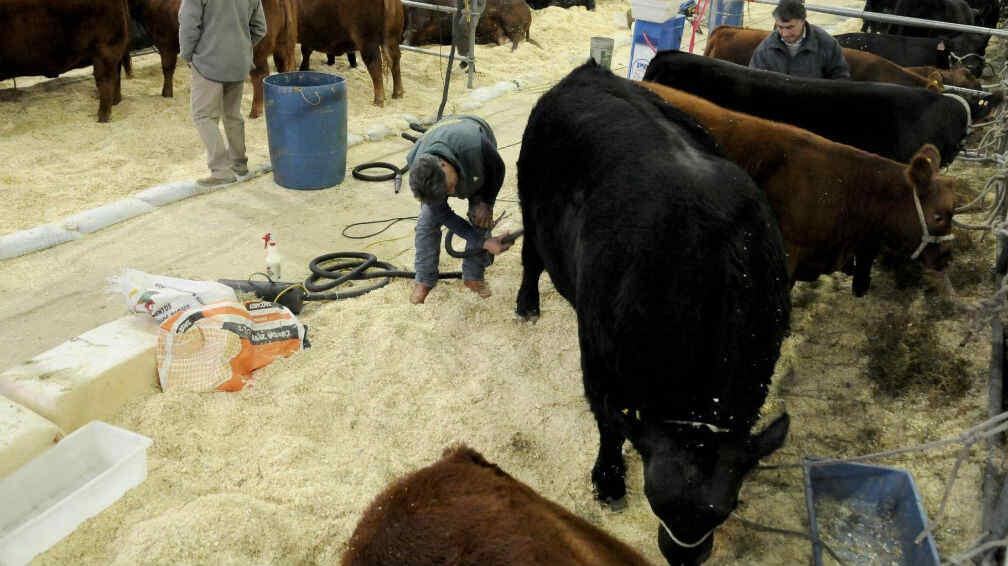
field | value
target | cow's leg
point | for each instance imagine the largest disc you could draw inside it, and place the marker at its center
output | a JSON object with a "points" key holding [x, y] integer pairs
{"points": [[169, 59], [284, 56], [532, 268], [259, 72], [351, 58], [127, 65], [863, 260], [330, 59], [117, 93], [372, 60], [608, 473], [104, 73], [392, 56], [305, 57]]}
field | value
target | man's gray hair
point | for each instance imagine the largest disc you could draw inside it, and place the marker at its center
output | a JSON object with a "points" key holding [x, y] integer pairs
{"points": [[427, 179], [790, 10]]}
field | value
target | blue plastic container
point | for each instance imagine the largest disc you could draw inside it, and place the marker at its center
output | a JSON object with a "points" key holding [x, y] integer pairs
{"points": [[725, 13], [858, 498], [306, 125], [648, 39]]}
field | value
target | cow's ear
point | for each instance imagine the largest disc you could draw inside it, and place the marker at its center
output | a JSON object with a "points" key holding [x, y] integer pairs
{"points": [[923, 167], [769, 439]]}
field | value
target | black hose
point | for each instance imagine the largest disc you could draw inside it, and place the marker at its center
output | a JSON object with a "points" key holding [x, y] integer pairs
{"points": [[360, 266]]}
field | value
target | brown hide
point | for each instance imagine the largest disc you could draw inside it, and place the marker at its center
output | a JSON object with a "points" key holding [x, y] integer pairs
{"points": [[960, 76], [280, 41], [465, 510], [50, 37], [372, 27], [835, 204], [160, 19], [502, 21], [736, 44]]}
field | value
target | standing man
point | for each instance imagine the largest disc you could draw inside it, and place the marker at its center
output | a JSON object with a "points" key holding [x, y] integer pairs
{"points": [[455, 157], [216, 39], [798, 48]]}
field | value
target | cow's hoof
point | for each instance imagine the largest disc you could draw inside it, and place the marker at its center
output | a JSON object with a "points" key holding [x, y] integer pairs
{"points": [[379, 103], [167, 94], [609, 485], [529, 314], [615, 505], [254, 114], [397, 95], [103, 119]]}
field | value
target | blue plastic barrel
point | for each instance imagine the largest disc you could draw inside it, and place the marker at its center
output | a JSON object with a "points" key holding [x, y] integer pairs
{"points": [[725, 13], [306, 125]]}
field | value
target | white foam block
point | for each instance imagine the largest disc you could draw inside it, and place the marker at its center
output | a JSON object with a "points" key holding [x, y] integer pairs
{"points": [[88, 377], [23, 435]]}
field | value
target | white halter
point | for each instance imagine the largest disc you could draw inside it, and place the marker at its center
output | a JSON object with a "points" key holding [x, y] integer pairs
{"points": [[926, 237], [684, 544], [969, 113]]}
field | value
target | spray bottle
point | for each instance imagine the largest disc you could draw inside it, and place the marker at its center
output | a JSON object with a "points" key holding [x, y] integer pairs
{"points": [[273, 257]]}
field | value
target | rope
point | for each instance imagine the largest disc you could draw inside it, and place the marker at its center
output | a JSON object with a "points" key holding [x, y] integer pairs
{"points": [[801, 534], [976, 551], [390, 222]]}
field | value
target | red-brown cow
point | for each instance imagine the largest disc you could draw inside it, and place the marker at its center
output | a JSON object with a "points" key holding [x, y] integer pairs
{"points": [[959, 76], [465, 510], [735, 44], [372, 27], [835, 205], [280, 42], [50, 37], [501, 21], [160, 19]]}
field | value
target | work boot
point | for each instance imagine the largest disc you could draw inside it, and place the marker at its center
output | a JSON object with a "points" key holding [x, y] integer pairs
{"points": [[479, 287], [242, 172], [419, 294], [213, 182]]}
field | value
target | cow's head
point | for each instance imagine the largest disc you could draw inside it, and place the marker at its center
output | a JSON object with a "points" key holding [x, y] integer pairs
{"points": [[967, 50], [961, 76], [926, 223], [692, 476]]}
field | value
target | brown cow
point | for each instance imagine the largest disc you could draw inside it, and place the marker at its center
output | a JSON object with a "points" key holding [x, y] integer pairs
{"points": [[500, 22], [50, 37], [160, 19], [280, 42], [465, 510], [960, 76], [835, 205], [372, 27], [736, 44]]}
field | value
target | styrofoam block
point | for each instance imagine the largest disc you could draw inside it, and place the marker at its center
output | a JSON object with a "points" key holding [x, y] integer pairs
{"points": [[88, 377], [353, 139], [34, 239], [170, 192], [103, 216], [23, 435], [378, 132]]}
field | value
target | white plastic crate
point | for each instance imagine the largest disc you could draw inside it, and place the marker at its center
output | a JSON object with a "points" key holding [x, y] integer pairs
{"points": [[654, 10], [47, 498]]}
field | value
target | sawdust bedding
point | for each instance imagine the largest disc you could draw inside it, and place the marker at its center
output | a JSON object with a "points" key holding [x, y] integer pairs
{"points": [[280, 472]]}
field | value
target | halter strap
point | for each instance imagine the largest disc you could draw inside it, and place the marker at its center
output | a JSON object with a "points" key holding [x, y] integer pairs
{"points": [[926, 237]]}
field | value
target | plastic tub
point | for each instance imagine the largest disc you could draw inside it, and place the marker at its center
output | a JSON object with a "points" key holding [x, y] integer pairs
{"points": [[867, 514], [47, 498]]}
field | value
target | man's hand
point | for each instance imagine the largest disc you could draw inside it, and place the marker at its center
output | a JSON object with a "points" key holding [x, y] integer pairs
{"points": [[483, 216], [496, 246]]}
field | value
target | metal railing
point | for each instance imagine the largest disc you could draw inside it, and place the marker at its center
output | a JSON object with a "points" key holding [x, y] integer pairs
{"points": [[894, 19], [472, 14]]}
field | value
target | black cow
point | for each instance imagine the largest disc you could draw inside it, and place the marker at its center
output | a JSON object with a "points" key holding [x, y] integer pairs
{"points": [[889, 120], [900, 49], [972, 46], [879, 7], [672, 261]]}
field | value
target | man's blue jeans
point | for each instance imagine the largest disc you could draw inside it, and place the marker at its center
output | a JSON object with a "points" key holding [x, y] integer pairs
{"points": [[427, 243]]}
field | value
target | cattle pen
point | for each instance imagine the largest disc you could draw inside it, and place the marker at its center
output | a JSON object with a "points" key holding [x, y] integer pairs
{"points": [[280, 472]]}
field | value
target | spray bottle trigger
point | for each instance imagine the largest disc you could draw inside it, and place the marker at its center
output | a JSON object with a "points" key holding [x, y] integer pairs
{"points": [[398, 182]]}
